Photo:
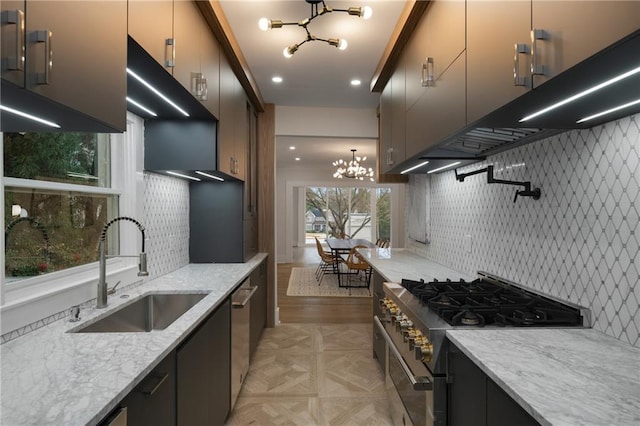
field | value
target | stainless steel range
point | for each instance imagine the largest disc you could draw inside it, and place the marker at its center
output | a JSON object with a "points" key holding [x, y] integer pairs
{"points": [[414, 320]]}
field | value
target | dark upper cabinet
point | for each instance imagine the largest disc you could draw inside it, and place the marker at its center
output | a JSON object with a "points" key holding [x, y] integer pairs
{"points": [[74, 54], [435, 76], [566, 33], [513, 47], [218, 229], [234, 122], [196, 51], [179, 145], [393, 122], [493, 30], [151, 25]]}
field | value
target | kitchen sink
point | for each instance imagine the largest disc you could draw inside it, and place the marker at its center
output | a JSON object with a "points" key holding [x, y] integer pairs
{"points": [[155, 311]]}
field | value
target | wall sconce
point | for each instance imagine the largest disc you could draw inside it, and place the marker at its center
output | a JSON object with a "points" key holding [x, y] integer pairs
{"points": [[199, 86]]}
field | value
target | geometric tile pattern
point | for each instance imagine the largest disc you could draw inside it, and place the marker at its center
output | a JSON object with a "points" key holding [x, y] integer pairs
{"points": [[579, 242], [312, 374], [166, 219]]}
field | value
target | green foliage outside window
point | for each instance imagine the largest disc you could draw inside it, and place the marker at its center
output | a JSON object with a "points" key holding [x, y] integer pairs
{"points": [[58, 228]]}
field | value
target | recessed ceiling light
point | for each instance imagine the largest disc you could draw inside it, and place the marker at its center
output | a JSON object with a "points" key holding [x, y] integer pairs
{"points": [[292, 147], [276, 79], [297, 158], [356, 82]]}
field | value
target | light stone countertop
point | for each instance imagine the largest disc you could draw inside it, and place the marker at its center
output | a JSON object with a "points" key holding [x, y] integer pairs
{"points": [[51, 377], [562, 377], [396, 264]]}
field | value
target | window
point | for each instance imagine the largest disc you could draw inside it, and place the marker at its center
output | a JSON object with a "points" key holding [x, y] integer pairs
{"points": [[358, 212], [58, 196]]}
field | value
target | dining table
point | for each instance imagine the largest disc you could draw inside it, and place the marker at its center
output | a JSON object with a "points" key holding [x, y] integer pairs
{"points": [[341, 246]]}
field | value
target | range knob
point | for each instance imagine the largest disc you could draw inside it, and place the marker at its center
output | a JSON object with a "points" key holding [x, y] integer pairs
{"points": [[423, 350], [409, 333]]}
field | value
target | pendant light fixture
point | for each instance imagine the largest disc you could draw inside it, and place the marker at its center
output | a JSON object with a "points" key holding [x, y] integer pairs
{"points": [[353, 169], [318, 8]]}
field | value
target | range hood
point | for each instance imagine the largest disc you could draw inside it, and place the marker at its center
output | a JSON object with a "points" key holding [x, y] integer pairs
{"points": [[503, 129]]}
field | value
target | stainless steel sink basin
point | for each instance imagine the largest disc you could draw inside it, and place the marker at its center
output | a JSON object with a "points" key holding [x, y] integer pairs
{"points": [[154, 311]]}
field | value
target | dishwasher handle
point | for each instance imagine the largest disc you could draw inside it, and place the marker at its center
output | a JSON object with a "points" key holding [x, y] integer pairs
{"points": [[239, 304]]}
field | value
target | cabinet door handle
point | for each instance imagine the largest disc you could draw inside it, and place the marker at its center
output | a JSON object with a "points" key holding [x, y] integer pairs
{"points": [[390, 157], [169, 53], [537, 34], [15, 17], [154, 383], [44, 36], [428, 78], [518, 80]]}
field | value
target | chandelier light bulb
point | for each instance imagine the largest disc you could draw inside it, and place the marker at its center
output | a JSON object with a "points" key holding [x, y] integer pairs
{"points": [[367, 12], [264, 24]]}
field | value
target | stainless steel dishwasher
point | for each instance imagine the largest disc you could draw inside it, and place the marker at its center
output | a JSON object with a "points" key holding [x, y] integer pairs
{"points": [[240, 321]]}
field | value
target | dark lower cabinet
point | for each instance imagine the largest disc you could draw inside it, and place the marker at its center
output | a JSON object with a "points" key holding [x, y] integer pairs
{"points": [[204, 365], [258, 313], [476, 400], [152, 402], [379, 345]]}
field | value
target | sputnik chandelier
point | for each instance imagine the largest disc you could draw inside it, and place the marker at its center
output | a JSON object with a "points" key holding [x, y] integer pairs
{"points": [[352, 169], [318, 8]]}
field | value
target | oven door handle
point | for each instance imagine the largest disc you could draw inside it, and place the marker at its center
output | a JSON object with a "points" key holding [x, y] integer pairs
{"points": [[419, 383]]}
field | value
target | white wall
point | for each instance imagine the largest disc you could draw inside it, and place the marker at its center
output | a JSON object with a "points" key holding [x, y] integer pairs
{"points": [[326, 122]]}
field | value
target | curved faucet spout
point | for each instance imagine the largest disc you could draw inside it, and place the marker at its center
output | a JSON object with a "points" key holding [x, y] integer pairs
{"points": [[102, 253]]}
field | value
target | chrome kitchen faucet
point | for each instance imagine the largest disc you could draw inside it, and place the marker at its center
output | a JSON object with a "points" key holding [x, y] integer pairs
{"points": [[102, 253]]}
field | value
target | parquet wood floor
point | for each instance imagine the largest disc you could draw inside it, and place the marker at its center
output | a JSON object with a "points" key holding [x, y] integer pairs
{"points": [[313, 374], [316, 367]]}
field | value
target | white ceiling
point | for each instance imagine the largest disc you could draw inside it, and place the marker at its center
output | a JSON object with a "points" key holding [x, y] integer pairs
{"points": [[318, 75]]}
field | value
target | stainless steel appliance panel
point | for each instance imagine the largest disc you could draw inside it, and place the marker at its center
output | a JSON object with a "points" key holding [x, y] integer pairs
{"points": [[240, 328]]}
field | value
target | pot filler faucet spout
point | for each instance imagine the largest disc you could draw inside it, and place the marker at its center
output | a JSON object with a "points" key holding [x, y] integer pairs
{"points": [[102, 253]]}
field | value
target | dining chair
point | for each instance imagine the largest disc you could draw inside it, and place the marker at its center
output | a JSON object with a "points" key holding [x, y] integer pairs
{"points": [[356, 265], [328, 262]]}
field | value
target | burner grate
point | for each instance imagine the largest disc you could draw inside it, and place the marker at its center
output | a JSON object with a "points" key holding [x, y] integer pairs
{"points": [[480, 303]]}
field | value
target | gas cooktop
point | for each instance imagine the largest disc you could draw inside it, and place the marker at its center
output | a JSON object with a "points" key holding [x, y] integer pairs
{"points": [[488, 302]]}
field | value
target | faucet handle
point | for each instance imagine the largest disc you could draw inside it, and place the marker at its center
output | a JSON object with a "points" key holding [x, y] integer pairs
{"points": [[75, 313], [112, 290]]}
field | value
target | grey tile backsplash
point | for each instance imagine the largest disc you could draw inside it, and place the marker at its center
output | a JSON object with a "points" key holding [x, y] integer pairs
{"points": [[166, 217], [579, 242]]}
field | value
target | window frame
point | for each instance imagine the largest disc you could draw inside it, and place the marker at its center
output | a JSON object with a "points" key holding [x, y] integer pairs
{"points": [[126, 183]]}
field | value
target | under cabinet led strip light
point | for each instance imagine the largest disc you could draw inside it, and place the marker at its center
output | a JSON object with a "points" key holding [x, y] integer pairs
{"points": [[609, 111], [184, 176], [582, 94], [29, 116], [209, 176], [443, 167], [414, 167], [145, 109], [157, 92]]}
